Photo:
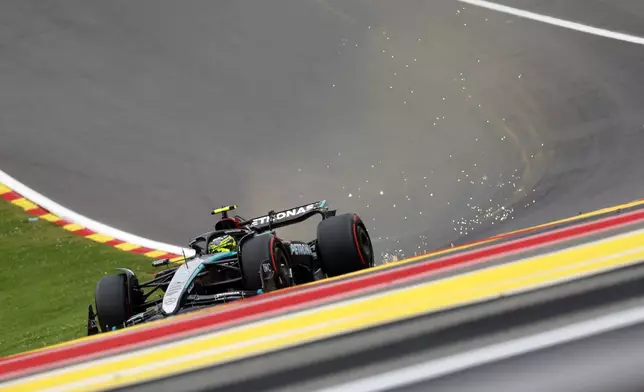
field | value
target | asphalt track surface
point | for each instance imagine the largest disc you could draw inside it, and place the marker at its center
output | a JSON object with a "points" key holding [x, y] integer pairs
{"points": [[333, 363], [586, 370], [145, 115], [435, 121]]}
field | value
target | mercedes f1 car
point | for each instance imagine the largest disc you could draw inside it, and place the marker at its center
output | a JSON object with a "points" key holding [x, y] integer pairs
{"points": [[254, 261]]}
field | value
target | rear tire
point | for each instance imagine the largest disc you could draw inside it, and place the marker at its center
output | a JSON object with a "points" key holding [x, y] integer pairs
{"points": [[112, 302], [265, 264], [343, 245]]}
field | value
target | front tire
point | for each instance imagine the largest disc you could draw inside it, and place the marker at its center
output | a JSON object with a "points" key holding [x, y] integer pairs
{"points": [[112, 302], [265, 264], [343, 245]]}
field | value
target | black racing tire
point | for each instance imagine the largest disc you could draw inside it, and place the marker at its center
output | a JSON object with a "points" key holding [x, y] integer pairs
{"points": [[112, 302], [343, 245], [265, 264]]}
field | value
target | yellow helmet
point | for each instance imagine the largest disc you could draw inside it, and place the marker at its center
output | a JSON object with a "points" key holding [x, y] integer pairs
{"points": [[222, 244]]}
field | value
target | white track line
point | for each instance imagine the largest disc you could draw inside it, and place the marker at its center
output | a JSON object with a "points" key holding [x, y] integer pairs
{"points": [[556, 21], [91, 224], [440, 367]]}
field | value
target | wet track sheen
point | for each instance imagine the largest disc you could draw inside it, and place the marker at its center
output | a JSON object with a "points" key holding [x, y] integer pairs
{"points": [[433, 120]]}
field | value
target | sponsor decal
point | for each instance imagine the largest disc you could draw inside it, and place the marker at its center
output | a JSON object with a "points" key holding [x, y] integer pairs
{"points": [[182, 278], [301, 250], [282, 215], [228, 295], [217, 297], [267, 271], [175, 287]]}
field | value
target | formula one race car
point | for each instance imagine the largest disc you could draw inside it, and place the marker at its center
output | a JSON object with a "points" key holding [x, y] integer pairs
{"points": [[239, 259]]}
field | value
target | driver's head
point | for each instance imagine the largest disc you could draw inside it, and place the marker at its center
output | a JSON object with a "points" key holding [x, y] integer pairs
{"points": [[221, 244]]}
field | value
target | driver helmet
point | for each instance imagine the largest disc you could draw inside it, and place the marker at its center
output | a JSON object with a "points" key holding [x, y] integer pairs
{"points": [[221, 244]]}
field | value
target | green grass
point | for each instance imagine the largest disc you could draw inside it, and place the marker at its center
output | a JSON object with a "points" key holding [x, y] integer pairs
{"points": [[47, 279]]}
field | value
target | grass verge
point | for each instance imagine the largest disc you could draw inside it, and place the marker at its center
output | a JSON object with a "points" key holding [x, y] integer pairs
{"points": [[47, 279]]}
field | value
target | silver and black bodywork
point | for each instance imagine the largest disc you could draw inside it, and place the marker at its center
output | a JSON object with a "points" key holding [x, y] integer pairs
{"points": [[262, 262]]}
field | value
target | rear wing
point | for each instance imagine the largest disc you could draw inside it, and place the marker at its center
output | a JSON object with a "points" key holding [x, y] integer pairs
{"points": [[291, 216]]}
